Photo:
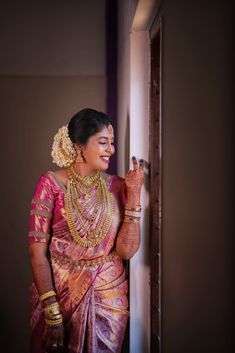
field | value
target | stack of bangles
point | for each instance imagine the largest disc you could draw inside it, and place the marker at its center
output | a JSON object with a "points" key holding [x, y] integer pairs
{"points": [[132, 214], [52, 312]]}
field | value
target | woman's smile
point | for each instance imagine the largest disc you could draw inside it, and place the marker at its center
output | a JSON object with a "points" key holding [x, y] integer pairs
{"points": [[105, 159]]}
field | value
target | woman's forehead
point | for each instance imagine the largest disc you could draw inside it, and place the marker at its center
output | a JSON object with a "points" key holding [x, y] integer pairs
{"points": [[106, 131], [110, 129]]}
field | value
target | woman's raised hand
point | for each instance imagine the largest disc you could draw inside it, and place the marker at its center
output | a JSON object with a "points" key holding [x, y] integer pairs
{"points": [[135, 177]]}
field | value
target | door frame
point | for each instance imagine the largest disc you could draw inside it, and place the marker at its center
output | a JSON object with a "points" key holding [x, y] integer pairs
{"points": [[155, 186]]}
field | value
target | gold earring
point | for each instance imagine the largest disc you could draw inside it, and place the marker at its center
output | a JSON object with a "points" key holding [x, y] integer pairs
{"points": [[79, 158]]}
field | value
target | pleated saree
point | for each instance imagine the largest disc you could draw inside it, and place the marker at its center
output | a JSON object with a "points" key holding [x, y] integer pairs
{"points": [[90, 283]]}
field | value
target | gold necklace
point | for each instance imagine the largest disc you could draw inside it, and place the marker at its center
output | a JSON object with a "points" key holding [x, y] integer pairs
{"points": [[87, 180], [92, 203]]}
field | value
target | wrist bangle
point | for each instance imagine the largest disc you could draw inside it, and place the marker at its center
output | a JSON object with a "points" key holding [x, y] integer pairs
{"points": [[133, 208], [53, 322], [52, 309], [54, 317], [44, 296], [132, 213], [131, 220]]}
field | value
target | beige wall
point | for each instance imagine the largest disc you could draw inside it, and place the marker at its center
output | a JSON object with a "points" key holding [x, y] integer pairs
{"points": [[139, 147], [133, 105], [52, 64]]}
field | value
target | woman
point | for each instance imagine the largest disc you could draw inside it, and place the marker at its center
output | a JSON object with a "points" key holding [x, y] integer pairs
{"points": [[83, 224]]}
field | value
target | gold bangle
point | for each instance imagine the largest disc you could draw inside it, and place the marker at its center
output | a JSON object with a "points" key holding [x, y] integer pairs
{"points": [[54, 322], [132, 213], [44, 296], [133, 208], [52, 309], [131, 220], [53, 318], [51, 305]]}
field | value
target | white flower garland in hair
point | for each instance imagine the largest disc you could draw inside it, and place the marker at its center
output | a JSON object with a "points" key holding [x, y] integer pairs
{"points": [[63, 151]]}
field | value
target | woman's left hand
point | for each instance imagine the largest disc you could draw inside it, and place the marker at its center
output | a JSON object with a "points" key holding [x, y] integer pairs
{"points": [[135, 177]]}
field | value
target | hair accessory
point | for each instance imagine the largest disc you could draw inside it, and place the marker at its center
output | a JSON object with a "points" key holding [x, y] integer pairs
{"points": [[44, 296], [63, 151]]}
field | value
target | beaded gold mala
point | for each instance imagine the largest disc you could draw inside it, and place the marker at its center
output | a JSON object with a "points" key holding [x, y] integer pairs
{"points": [[89, 199]]}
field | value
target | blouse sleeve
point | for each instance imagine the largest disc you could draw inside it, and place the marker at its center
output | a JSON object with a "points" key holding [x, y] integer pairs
{"points": [[42, 206]]}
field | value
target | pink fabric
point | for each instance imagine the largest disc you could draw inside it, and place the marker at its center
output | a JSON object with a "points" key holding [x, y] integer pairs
{"points": [[93, 299]]}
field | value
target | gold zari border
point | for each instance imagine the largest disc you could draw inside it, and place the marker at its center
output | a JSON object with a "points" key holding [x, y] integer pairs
{"points": [[81, 263], [42, 202], [41, 213], [39, 234]]}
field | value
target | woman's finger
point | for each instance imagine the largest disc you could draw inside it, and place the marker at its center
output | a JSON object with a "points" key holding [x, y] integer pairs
{"points": [[54, 346], [141, 164], [61, 344], [135, 164]]}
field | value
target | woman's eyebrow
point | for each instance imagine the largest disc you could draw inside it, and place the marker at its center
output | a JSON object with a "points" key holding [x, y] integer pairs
{"points": [[105, 137]]}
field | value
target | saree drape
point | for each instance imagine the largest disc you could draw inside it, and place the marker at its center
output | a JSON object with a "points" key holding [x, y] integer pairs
{"points": [[93, 295]]}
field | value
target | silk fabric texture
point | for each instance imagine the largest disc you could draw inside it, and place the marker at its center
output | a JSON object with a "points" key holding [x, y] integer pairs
{"points": [[93, 299]]}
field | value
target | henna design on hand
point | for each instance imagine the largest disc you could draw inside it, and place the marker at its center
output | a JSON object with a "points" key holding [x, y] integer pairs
{"points": [[128, 240], [135, 177]]}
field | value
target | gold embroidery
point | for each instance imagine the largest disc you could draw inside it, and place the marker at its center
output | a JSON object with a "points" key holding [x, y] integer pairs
{"points": [[39, 234], [42, 202], [93, 262], [113, 284], [41, 213], [112, 293]]}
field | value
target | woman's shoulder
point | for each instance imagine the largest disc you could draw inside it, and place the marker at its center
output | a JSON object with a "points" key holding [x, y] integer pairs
{"points": [[61, 175], [55, 178], [115, 181], [109, 176]]}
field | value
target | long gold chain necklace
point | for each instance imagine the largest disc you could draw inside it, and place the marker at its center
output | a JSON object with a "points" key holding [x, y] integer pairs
{"points": [[89, 199]]}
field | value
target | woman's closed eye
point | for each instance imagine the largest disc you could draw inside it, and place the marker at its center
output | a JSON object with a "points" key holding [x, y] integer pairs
{"points": [[104, 143]]}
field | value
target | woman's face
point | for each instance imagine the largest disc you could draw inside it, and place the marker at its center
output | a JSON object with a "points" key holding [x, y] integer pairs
{"points": [[99, 148]]}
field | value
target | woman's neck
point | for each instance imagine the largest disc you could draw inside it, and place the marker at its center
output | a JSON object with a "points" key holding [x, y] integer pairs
{"points": [[84, 170]]}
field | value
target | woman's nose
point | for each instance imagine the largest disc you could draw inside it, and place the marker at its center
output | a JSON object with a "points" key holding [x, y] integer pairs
{"points": [[110, 148]]}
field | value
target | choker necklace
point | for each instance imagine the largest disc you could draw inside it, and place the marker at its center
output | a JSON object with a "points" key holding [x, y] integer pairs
{"points": [[89, 208]]}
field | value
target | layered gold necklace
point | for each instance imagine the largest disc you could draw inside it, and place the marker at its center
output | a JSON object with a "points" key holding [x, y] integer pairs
{"points": [[89, 208]]}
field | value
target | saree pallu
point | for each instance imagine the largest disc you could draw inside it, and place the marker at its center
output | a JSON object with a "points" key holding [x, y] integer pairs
{"points": [[90, 283]]}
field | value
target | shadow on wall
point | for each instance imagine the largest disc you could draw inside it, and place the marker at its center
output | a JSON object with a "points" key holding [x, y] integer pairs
{"points": [[127, 143], [144, 251], [145, 213], [126, 343]]}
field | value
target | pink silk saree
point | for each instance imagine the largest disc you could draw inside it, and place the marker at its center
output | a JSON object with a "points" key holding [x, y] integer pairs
{"points": [[93, 299]]}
